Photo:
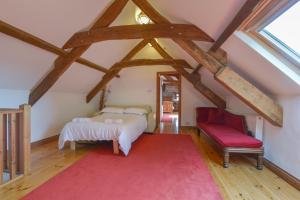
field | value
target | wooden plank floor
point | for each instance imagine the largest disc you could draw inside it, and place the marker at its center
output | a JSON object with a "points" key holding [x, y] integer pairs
{"points": [[241, 181]]}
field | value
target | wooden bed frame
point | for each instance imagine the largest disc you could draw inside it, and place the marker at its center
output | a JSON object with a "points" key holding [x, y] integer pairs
{"points": [[115, 146], [150, 122]]}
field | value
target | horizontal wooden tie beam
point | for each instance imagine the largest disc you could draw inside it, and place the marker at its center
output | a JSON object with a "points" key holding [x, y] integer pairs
{"points": [[147, 62], [147, 31]]}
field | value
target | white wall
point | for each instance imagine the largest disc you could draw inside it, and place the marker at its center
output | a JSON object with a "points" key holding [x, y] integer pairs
{"points": [[191, 99], [51, 112], [281, 144], [138, 86], [13, 98]]}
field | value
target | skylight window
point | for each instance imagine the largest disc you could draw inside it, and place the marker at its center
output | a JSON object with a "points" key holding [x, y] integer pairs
{"points": [[273, 31], [284, 32]]}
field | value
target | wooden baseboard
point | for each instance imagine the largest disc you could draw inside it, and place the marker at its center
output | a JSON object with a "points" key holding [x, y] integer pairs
{"points": [[44, 141], [188, 127], [283, 174], [11, 181], [148, 133]]}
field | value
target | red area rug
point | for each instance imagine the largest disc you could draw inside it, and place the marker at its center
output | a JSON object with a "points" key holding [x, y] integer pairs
{"points": [[166, 118], [159, 167]]}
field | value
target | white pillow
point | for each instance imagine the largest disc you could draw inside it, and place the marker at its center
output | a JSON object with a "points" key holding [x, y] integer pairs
{"points": [[112, 110], [137, 111]]}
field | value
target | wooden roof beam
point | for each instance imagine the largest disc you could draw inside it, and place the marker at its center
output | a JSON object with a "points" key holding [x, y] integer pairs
{"points": [[205, 91], [62, 63], [115, 70], [241, 88], [40, 43], [146, 31], [243, 13], [102, 99]]}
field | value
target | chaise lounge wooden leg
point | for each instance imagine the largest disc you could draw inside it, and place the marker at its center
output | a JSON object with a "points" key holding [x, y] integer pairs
{"points": [[198, 131], [260, 161], [116, 147], [226, 159], [73, 145]]}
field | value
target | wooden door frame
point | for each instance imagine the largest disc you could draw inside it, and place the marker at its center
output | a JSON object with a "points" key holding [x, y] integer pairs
{"points": [[158, 90]]}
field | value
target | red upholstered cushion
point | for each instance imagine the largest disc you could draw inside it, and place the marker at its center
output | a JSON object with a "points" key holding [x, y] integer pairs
{"points": [[216, 116], [202, 114], [229, 137], [235, 121]]}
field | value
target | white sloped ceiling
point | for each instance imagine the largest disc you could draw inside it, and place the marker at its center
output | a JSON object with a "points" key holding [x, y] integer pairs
{"points": [[22, 65]]}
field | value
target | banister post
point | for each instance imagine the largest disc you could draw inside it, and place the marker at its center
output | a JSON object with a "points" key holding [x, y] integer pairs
{"points": [[25, 138], [1, 147], [12, 146]]}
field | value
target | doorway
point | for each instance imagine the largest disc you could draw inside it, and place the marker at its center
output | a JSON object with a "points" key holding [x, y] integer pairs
{"points": [[168, 103]]}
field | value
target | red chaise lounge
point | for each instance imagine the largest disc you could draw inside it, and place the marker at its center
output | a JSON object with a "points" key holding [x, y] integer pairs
{"points": [[229, 131]]}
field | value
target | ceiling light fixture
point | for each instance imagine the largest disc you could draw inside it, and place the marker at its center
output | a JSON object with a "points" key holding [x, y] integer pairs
{"points": [[141, 17]]}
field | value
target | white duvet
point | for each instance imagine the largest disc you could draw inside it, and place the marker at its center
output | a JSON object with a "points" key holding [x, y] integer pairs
{"points": [[97, 130]]}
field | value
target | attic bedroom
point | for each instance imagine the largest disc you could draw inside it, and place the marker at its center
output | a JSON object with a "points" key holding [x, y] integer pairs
{"points": [[149, 99]]}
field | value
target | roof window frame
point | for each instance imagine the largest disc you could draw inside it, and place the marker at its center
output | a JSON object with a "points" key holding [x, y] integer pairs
{"points": [[264, 14]]}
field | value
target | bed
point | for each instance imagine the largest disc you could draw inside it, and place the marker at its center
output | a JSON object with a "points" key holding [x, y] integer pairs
{"points": [[123, 128]]}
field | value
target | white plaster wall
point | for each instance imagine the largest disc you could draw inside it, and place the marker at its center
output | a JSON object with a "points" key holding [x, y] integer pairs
{"points": [[138, 86], [51, 112], [190, 100], [13, 98], [281, 144]]}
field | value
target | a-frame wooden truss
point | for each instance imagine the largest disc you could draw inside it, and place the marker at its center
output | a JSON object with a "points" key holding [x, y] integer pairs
{"points": [[212, 60], [218, 101], [247, 92]]}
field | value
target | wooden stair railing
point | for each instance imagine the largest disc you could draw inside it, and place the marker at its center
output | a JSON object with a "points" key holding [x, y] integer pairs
{"points": [[14, 142]]}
